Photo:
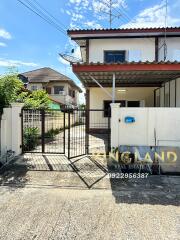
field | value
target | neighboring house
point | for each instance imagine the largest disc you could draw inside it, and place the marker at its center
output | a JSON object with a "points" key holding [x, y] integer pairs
{"points": [[60, 88], [139, 67]]}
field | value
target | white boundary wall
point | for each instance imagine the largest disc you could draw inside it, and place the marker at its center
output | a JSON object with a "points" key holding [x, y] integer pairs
{"points": [[152, 126], [11, 129]]}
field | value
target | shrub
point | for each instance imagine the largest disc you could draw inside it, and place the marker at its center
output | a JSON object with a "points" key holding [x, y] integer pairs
{"points": [[31, 138], [52, 132]]}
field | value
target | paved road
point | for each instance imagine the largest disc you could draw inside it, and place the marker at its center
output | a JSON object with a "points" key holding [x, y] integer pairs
{"points": [[33, 213], [59, 204]]}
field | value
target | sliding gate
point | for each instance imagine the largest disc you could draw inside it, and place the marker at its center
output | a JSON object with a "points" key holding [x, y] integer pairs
{"points": [[72, 132]]}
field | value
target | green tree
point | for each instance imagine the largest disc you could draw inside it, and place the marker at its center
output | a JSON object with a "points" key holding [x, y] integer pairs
{"points": [[37, 99], [12, 90]]}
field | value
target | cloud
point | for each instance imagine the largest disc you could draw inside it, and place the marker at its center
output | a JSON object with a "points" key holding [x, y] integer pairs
{"points": [[153, 17], [5, 34], [92, 24], [15, 63], [2, 44]]}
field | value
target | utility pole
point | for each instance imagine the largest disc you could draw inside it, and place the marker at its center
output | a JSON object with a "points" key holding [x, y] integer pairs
{"points": [[109, 4], [110, 13], [165, 31]]}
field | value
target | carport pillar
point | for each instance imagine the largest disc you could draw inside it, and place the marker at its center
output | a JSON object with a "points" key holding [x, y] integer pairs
{"points": [[114, 88]]}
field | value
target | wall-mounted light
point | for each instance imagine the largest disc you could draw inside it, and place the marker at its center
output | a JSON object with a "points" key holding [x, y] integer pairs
{"points": [[121, 90]]}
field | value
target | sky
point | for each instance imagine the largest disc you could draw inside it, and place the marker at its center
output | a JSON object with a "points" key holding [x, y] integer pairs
{"points": [[27, 42]]}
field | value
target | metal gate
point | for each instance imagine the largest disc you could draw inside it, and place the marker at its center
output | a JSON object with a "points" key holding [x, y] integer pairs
{"points": [[73, 132], [77, 138], [88, 132], [43, 131]]}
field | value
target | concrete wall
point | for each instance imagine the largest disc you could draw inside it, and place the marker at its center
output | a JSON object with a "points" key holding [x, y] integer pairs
{"points": [[146, 94], [144, 47], [11, 129], [97, 97], [152, 126]]}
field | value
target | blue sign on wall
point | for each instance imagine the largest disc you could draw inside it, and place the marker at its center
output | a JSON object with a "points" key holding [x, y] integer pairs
{"points": [[129, 119]]}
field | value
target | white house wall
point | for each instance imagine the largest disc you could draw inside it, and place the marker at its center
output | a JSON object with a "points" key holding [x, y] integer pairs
{"points": [[97, 96], [144, 48], [173, 45], [144, 45], [152, 126]]}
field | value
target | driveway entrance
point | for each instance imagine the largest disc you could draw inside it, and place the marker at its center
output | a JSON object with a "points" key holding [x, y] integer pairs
{"points": [[72, 132]]}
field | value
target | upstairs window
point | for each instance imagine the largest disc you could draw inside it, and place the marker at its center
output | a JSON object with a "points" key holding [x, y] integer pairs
{"points": [[114, 56], [33, 88], [58, 90]]}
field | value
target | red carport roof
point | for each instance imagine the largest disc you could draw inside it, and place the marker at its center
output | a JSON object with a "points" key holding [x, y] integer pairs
{"points": [[127, 73]]}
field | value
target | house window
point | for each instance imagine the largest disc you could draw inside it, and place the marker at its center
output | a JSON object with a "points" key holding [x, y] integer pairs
{"points": [[73, 94], [114, 56], [107, 107], [33, 88], [58, 90]]}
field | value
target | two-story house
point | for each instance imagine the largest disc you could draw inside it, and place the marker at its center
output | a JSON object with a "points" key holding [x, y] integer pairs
{"points": [[60, 88], [136, 67]]}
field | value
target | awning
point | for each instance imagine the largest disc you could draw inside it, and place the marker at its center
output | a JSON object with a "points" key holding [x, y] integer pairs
{"points": [[127, 74]]}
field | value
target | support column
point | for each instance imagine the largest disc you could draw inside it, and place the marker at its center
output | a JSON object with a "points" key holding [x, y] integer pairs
{"points": [[16, 128], [115, 115], [114, 88], [5, 130]]}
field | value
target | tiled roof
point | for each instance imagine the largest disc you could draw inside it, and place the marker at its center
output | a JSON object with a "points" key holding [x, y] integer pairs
{"points": [[45, 75], [128, 63], [124, 30]]}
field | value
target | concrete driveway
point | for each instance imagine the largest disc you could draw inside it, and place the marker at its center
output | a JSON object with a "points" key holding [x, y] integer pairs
{"points": [[78, 201]]}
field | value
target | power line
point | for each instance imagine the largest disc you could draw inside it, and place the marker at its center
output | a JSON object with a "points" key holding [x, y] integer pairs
{"points": [[37, 3], [46, 16], [42, 16]]}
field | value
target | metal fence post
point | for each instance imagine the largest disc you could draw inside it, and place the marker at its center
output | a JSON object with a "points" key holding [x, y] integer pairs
{"points": [[43, 130], [22, 129], [109, 131], [69, 124], [87, 111], [64, 140]]}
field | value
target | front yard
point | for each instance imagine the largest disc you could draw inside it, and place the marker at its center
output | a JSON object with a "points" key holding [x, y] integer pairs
{"points": [[48, 197]]}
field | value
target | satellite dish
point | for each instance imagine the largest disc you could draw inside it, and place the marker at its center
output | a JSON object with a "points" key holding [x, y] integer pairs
{"points": [[69, 58]]}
